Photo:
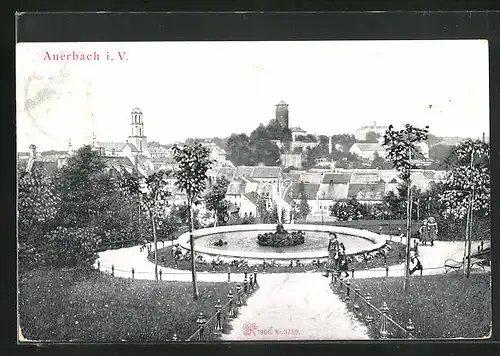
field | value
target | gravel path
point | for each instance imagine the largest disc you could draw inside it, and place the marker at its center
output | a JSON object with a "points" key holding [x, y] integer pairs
{"points": [[287, 306]]}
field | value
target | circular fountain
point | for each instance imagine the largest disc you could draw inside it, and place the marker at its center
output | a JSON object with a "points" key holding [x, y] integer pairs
{"points": [[240, 242]]}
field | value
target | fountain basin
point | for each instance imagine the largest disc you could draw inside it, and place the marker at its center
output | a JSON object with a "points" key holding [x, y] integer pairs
{"points": [[242, 242]]}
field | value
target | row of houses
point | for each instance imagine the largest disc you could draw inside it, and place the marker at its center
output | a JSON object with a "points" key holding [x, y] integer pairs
{"points": [[249, 185]]}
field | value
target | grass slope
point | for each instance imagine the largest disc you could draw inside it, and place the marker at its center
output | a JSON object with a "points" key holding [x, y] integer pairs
{"points": [[442, 306], [73, 305]]}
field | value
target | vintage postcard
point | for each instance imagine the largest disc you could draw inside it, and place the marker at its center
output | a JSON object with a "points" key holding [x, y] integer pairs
{"points": [[243, 191]]}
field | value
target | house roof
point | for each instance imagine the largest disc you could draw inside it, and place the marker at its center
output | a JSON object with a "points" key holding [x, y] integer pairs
{"points": [[297, 129], [253, 197], [336, 178], [354, 189], [364, 177], [236, 187], [266, 172], [282, 103], [294, 177], [310, 190], [309, 177], [369, 147], [332, 191], [136, 111], [243, 171]]}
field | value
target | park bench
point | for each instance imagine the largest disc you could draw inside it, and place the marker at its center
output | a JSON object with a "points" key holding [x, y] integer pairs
{"points": [[451, 264]]}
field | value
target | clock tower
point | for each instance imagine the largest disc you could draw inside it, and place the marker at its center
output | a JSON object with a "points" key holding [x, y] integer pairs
{"points": [[137, 136]]}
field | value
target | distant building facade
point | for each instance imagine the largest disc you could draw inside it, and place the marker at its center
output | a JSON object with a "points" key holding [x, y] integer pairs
{"points": [[362, 132]]}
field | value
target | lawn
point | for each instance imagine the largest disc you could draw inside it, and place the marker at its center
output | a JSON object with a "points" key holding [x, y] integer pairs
{"points": [[166, 259], [442, 306], [87, 306]]}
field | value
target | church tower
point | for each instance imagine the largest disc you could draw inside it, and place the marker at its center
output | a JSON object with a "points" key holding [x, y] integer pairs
{"points": [[137, 136], [282, 114]]}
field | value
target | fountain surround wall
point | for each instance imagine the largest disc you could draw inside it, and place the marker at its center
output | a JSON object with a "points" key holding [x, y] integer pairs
{"points": [[377, 242]]}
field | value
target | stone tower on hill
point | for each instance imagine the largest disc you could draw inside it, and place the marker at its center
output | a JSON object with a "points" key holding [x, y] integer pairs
{"points": [[282, 114]]}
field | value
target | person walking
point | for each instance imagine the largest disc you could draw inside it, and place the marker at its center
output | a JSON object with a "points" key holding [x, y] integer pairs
{"points": [[432, 229], [424, 233]]}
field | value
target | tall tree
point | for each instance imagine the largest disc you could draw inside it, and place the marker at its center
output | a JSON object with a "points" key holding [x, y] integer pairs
{"points": [[85, 188], [401, 146], [194, 162], [215, 200], [468, 186], [152, 193], [304, 207], [37, 206]]}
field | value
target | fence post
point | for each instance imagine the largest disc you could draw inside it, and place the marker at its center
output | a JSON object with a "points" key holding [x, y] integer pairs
{"points": [[255, 276], [352, 273], [333, 282], [230, 313], [368, 299], [383, 322], [201, 324], [160, 274], [348, 296], [421, 270], [410, 328], [334, 279], [251, 281], [387, 271], [112, 270], [238, 294], [218, 308], [482, 245], [228, 274], [263, 266], [356, 295], [380, 230], [133, 272], [291, 265], [99, 266], [245, 274]]}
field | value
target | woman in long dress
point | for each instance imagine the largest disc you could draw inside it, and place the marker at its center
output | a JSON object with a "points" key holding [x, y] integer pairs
{"points": [[433, 229], [333, 254], [424, 233]]}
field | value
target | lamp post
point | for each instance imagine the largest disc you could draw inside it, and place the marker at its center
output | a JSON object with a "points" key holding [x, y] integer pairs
{"points": [[429, 207]]}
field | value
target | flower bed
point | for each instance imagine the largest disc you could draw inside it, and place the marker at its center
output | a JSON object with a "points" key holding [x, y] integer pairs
{"points": [[281, 238]]}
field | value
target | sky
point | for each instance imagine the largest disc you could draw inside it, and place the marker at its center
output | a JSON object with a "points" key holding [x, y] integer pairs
{"points": [[207, 89]]}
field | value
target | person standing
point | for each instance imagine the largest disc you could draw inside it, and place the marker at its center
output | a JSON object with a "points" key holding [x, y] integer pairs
{"points": [[424, 233], [333, 253], [432, 229]]}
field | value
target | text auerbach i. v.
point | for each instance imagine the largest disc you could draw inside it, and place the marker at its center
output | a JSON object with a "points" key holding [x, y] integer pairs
{"points": [[84, 56]]}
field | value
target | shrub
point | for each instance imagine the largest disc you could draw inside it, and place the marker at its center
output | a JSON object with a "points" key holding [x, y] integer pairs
{"points": [[67, 247]]}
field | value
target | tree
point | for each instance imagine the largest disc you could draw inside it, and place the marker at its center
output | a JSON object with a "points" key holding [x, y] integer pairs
{"points": [[215, 200], [304, 208], [468, 186], [152, 192], [37, 206], [194, 162], [401, 147], [85, 188], [380, 163], [372, 137]]}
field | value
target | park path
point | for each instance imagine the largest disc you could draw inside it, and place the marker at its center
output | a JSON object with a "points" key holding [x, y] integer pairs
{"points": [[292, 306], [295, 306], [432, 259]]}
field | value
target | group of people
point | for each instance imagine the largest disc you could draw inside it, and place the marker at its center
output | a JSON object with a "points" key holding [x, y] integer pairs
{"points": [[428, 231], [337, 258]]}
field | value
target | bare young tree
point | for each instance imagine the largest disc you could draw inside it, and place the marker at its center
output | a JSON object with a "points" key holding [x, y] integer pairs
{"points": [[194, 162]]}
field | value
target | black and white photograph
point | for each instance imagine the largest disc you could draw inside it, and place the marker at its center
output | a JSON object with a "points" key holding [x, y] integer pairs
{"points": [[236, 191]]}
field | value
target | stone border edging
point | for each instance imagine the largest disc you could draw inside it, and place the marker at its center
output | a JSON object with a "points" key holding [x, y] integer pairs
{"points": [[378, 241]]}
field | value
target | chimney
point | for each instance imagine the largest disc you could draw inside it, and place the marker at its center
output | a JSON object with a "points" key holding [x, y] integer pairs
{"points": [[484, 137], [33, 151], [330, 148]]}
